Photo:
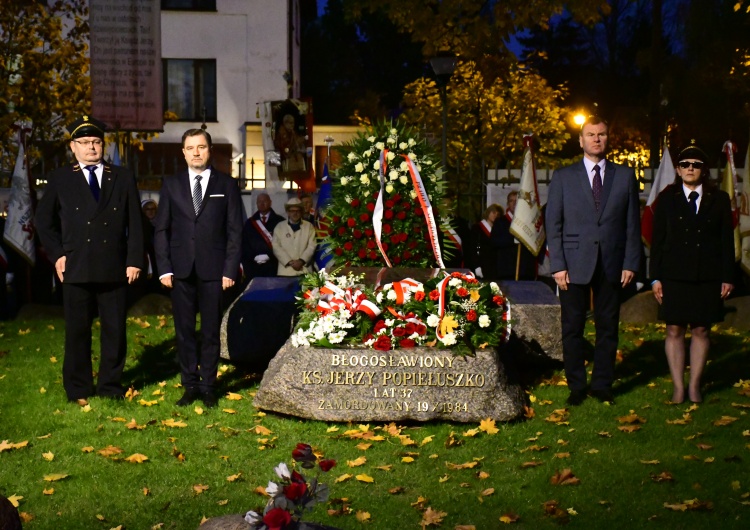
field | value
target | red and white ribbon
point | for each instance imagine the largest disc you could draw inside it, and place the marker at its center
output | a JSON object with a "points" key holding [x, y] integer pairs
{"points": [[350, 299]]}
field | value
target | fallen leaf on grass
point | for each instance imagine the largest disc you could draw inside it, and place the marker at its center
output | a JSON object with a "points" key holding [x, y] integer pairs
{"points": [[487, 492], [704, 447], [231, 396], [48, 491], [533, 463], [363, 446], [87, 449], [54, 477], [629, 428], [483, 475], [564, 478], [552, 509], [357, 461], [386, 467], [365, 478], [342, 478], [470, 433], [432, 517], [362, 517], [558, 416], [464, 527], [604, 434], [229, 411], [419, 503], [44, 437], [536, 448], [133, 425], [684, 421], [562, 455], [650, 462], [14, 500], [199, 488], [466, 465], [48, 456], [396, 490], [136, 458], [198, 410], [509, 518], [631, 418], [147, 403], [426, 440], [232, 478], [488, 425], [407, 460], [692, 504], [724, 420], [263, 431], [664, 476], [5, 445], [172, 423]]}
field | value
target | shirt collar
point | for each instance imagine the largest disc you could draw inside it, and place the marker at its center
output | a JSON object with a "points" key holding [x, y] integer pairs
{"points": [[590, 165], [687, 191], [206, 173]]}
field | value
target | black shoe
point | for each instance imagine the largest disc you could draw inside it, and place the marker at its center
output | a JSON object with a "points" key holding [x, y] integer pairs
{"points": [[190, 395], [114, 397], [576, 397], [209, 399], [605, 396]]}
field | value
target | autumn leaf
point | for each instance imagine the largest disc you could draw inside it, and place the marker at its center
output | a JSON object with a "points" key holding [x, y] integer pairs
{"points": [[432, 517], [172, 423], [487, 492], [362, 517], [14, 500], [407, 460], [199, 488], [692, 504], [198, 410], [133, 426], [533, 463], [724, 420], [562, 455], [54, 477], [356, 462], [426, 440], [48, 491], [558, 416], [87, 449], [5, 445], [466, 465], [564, 478], [136, 458], [229, 411], [464, 527], [631, 418], [444, 478], [363, 446], [629, 428], [386, 467], [263, 431], [509, 518], [650, 462], [342, 478], [482, 475], [488, 425], [419, 503], [147, 403], [48, 456], [535, 448], [110, 450], [471, 433], [664, 476], [704, 447], [231, 396], [684, 421], [364, 478], [447, 325], [397, 490], [232, 478]]}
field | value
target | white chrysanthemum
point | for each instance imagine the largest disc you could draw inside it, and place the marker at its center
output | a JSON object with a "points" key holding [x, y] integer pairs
{"points": [[415, 336], [390, 156], [393, 174], [389, 188], [368, 153], [391, 295], [336, 338], [351, 156], [359, 167], [394, 130], [389, 322], [413, 194], [495, 288], [433, 321], [412, 142], [379, 297], [403, 145], [404, 167], [454, 282], [348, 199], [344, 181], [412, 156], [282, 472], [427, 162], [484, 321], [370, 139], [376, 165], [391, 140], [449, 339], [366, 193], [365, 180], [318, 333], [380, 146], [403, 179]]}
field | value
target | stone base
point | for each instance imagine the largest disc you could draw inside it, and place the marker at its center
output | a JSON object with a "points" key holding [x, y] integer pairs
{"points": [[360, 384], [535, 313]]}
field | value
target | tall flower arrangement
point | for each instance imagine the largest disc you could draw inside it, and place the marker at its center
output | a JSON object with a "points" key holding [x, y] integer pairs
{"points": [[356, 187]]}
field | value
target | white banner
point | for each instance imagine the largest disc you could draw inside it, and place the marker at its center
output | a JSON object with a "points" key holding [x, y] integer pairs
{"points": [[19, 225]]}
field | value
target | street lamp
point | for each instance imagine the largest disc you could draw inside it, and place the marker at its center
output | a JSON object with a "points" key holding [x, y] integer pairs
{"points": [[579, 119], [443, 68]]}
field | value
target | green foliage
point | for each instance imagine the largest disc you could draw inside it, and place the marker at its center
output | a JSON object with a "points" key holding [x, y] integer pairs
{"points": [[44, 67]]}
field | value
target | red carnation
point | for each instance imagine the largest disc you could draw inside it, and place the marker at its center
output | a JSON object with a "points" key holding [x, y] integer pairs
{"points": [[419, 296], [404, 236], [401, 216], [351, 223], [406, 206], [412, 245], [327, 465], [362, 253], [388, 214], [395, 239], [407, 343], [380, 324], [364, 217], [421, 329], [434, 294], [355, 203], [471, 315], [295, 490], [348, 246], [370, 244], [330, 231], [499, 300], [385, 246], [370, 206], [399, 332], [357, 234], [462, 292], [382, 343], [410, 328], [277, 518]]}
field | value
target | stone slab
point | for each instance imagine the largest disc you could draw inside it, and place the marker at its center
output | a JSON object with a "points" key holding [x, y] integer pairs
{"points": [[535, 313], [361, 384]]}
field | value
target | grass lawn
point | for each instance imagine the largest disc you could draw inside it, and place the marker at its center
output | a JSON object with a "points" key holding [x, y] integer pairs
{"points": [[641, 463]]}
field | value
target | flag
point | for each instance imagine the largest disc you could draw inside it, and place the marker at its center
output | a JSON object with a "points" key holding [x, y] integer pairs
{"points": [[729, 184], [19, 225], [116, 152], [528, 224], [323, 254], [664, 177], [745, 213]]}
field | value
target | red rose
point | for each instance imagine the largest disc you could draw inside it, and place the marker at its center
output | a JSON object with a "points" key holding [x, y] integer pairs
{"points": [[296, 477], [395, 239], [277, 518], [418, 211], [385, 246], [421, 329], [348, 246], [342, 230], [336, 219], [388, 214], [404, 236], [338, 251], [357, 234], [407, 343], [373, 254], [364, 217], [351, 223], [389, 203], [387, 229], [457, 275], [434, 294], [369, 232], [295, 490], [419, 296], [330, 231], [412, 245], [462, 292], [370, 244], [410, 328], [401, 216], [499, 300], [406, 206], [471, 315], [370, 206], [355, 203], [407, 254], [399, 332], [383, 343], [380, 324], [327, 465], [362, 253], [396, 260], [397, 197]]}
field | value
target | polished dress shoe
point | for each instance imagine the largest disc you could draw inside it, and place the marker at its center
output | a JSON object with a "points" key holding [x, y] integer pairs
{"points": [[209, 399], [604, 395], [576, 397], [190, 395]]}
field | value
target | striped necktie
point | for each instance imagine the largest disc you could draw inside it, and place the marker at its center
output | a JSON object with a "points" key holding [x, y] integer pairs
{"points": [[197, 194]]}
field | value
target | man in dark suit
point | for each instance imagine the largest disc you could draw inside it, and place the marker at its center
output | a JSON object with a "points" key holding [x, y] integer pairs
{"points": [[514, 260], [198, 239], [257, 239], [89, 222], [593, 233]]}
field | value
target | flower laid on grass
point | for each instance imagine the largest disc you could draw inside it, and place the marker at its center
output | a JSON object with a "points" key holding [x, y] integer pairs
{"points": [[293, 494], [453, 311]]}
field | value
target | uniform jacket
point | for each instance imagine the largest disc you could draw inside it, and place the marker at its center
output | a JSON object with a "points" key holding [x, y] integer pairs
{"points": [[99, 239], [253, 244], [688, 247], [211, 241], [289, 245], [576, 232]]}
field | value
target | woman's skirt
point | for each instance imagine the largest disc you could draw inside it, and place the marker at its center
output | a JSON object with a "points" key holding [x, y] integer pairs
{"points": [[691, 302]]}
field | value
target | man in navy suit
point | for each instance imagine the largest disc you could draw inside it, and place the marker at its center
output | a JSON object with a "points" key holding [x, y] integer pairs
{"points": [[89, 222], [593, 232], [198, 240]]}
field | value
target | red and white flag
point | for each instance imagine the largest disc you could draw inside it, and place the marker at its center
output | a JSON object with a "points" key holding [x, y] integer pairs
{"points": [[664, 177], [19, 225], [744, 200], [528, 224]]}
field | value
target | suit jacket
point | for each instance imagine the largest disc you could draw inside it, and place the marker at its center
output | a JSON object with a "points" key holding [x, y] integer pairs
{"points": [[210, 241], [99, 239], [289, 245], [689, 247], [253, 244], [577, 233]]}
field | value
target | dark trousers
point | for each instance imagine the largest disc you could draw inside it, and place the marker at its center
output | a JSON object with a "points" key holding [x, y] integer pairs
{"points": [[574, 303], [81, 301], [190, 296]]}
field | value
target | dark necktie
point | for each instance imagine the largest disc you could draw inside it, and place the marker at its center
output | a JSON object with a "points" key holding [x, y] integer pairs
{"points": [[693, 202], [197, 194], [93, 182], [596, 186], [263, 219]]}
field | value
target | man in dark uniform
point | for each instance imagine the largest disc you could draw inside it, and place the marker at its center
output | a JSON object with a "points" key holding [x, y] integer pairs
{"points": [[257, 237], [89, 221]]}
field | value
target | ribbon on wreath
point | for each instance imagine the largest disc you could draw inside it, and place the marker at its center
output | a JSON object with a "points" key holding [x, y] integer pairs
{"points": [[424, 203], [402, 287], [350, 299]]}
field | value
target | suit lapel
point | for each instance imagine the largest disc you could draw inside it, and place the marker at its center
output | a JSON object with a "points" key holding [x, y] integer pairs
{"points": [[609, 179], [108, 184], [582, 176], [210, 187], [79, 185]]}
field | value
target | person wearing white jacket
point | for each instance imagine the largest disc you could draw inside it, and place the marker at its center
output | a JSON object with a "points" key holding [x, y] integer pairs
{"points": [[294, 242]]}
